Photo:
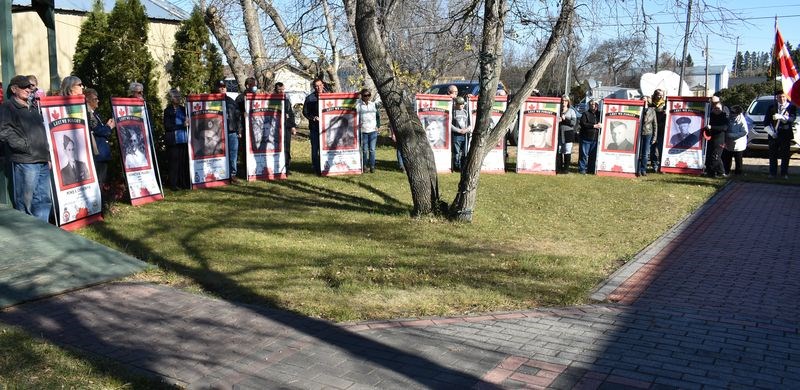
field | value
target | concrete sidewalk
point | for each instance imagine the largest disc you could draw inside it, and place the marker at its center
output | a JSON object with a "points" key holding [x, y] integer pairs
{"points": [[713, 304]]}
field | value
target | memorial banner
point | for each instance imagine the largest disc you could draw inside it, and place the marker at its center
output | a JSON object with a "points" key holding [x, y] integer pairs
{"points": [[137, 150], [495, 160], [340, 151], [208, 140], [683, 137], [537, 144], [435, 112], [619, 138], [76, 193], [264, 154]]}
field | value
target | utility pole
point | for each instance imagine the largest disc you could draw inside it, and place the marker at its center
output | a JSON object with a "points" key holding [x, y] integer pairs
{"points": [[706, 53], [685, 47], [658, 41]]}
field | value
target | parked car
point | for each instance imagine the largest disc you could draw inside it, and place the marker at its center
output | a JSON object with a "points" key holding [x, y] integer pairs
{"points": [[758, 138]]}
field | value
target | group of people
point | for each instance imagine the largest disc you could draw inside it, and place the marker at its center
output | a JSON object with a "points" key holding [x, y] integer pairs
{"points": [[207, 139], [22, 130]]}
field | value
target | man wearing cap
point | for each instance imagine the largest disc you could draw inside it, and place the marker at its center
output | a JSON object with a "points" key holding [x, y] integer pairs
{"points": [[538, 132], [74, 171], [683, 138], [619, 137], [232, 118], [22, 128], [460, 126], [778, 124]]}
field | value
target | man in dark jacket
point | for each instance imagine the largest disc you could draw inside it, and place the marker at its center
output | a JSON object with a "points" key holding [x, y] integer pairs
{"points": [[232, 119], [589, 127], [22, 128], [289, 126], [311, 112], [778, 121]]}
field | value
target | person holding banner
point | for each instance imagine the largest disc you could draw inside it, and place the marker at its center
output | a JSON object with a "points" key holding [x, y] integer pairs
{"points": [[311, 112], [289, 126], [735, 141], [22, 129], [369, 119], [566, 135], [778, 125], [717, 127], [232, 119], [461, 127], [658, 103], [176, 133], [589, 128], [101, 151], [647, 136], [71, 85]]}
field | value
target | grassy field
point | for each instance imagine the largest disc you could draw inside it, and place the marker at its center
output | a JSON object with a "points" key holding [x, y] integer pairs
{"points": [[345, 248]]}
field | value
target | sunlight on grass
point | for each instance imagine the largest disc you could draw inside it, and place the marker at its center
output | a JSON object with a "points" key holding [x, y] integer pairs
{"points": [[345, 248]]}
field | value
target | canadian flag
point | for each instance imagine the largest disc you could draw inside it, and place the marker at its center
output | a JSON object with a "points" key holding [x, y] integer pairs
{"points": [[788, 71]]}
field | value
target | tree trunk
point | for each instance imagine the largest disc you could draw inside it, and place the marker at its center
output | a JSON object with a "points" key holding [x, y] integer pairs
{"points": [[220, 32], [333, 67], [255, 38], [483, 138], [350, 11], [417, 153]]}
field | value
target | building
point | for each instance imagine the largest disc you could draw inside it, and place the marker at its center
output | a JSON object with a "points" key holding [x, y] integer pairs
{"points": [[30, 58], [695, 77]]}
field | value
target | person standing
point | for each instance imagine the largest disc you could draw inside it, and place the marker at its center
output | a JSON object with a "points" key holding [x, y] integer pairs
{"points": [[589, 128], [735, 141], [232, 123], [289, 127], [22, 128], [717, 127], [136, 90], [311, 112], [646, 136], [461, 127], [71, 85], [778, 124], [659, 104], [101, 131], [177, 135], [369, 119], [566, 135]]}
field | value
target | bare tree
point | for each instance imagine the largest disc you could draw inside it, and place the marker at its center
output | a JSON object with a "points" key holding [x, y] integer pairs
{"points": [[417, 154]]}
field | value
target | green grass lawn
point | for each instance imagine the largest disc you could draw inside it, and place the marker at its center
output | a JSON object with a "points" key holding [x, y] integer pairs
{"points": [[345, 249]]}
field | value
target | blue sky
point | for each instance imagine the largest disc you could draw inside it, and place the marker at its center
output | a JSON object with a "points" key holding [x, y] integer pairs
{"points": [[755, 28]]}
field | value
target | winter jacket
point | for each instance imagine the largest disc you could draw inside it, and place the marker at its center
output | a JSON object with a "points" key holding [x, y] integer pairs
{"points": [[22, 128], [587, 122], [101, 133], [736, 137]]}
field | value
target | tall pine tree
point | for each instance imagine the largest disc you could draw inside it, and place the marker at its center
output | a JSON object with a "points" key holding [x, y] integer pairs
{"points": [[90, 49], [196, 63]]}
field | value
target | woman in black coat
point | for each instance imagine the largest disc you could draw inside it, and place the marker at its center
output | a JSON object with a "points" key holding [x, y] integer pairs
{"points": [[176, 135]]}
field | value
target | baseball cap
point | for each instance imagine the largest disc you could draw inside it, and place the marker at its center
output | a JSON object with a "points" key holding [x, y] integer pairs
{"points": [[20, 81], [221, 83]]}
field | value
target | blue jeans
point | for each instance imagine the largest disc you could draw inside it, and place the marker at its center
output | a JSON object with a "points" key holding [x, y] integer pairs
{"points": [[459, 149], [588, 155], [368, 141], [644, 152], [233, 152], [32, 189]]}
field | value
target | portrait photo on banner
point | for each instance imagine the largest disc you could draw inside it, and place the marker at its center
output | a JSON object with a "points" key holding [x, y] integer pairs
{"points": [[339, 131], [134, 146], [207, 138], [684, 132], [72, 154], [435, 130], [264, 133], [620, 135], [537, 132]]}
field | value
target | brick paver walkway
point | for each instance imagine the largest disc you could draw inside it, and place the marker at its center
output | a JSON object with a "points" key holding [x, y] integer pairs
{"points": [[714, 304]]}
